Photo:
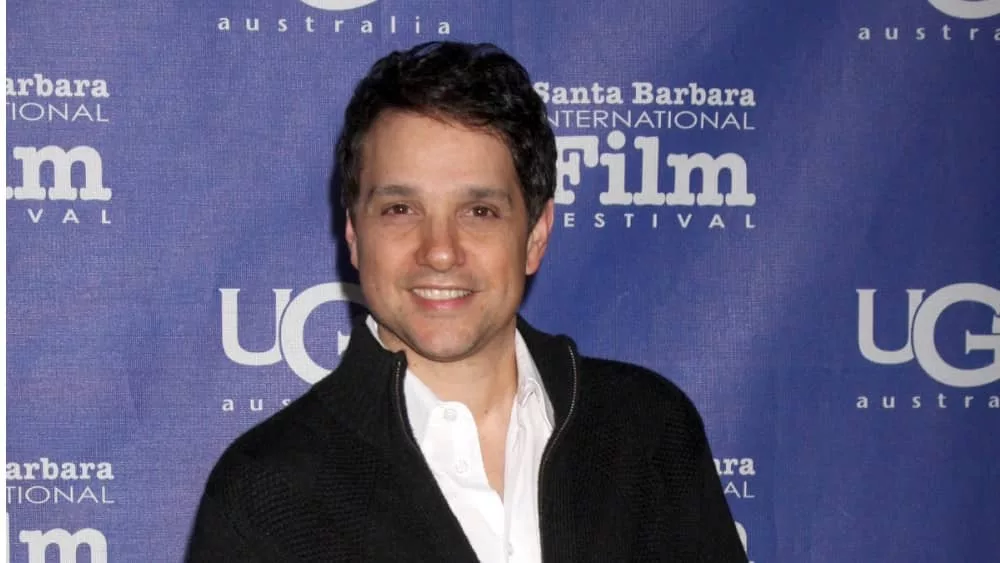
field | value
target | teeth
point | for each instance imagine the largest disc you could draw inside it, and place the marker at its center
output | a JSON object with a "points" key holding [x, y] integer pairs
{"points": [[441, 294]]}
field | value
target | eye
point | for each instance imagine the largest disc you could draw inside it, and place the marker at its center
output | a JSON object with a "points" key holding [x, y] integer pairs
{"points": [[484, 212], [396, 209]]}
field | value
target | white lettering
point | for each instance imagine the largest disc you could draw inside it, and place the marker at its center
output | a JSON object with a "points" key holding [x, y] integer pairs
{"points": [[337, 5], [289, 327], [62, 162], [920, 344], [578, 152], [968, 9], [68, 544]]}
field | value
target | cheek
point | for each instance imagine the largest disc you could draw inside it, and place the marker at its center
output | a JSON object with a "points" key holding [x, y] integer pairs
{"points": [[384, 266], [505, 261]]}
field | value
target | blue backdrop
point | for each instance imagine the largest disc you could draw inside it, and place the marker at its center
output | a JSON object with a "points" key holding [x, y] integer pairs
{"points": [[790, 209]]}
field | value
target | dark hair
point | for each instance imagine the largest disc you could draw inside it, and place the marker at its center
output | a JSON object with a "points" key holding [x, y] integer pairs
{"points": [[478, 86]]}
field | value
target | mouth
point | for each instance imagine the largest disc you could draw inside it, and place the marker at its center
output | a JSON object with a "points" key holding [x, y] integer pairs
{"points": [[438, 294]]}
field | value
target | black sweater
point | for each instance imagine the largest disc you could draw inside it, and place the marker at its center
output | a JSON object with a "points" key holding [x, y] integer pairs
{"points": [[627, 474]]}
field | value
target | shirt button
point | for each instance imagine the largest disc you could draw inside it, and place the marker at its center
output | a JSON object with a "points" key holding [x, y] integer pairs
{"points": [[450, 415], [462, 466], [509, 547]]}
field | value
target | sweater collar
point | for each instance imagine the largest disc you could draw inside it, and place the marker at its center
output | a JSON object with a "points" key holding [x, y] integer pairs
{"points": [[365, 390], [421, 401]]}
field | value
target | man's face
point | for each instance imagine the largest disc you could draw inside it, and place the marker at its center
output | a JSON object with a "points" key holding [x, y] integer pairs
{"points": [[440, 236]]}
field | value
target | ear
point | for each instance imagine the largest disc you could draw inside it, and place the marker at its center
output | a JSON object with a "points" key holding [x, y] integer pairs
{"points": [[352, 240], [538, 238]]}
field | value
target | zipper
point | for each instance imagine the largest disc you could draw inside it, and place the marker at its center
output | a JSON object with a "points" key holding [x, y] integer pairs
{"points": [[398, 392], [397, 388], [548, 450]]}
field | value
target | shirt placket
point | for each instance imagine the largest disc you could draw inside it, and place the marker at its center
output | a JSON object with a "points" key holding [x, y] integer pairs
{"points": [[470, 471], [516, 487]]}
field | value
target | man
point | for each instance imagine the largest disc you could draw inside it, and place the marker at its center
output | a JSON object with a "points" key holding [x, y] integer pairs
{"points": [[452, 430]]}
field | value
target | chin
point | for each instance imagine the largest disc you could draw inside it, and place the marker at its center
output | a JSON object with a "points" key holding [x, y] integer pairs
{"points": [[442, 356], [444, 346]]}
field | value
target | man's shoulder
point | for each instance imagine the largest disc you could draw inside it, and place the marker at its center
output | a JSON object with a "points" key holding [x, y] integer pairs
{"points": [[287, 446], [645, 393], [632, 379]]}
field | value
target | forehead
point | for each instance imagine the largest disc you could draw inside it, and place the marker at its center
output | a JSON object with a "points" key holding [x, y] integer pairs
{"points": [[423, 151]]}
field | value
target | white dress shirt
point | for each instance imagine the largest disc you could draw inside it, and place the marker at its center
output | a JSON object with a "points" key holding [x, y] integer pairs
{"points": [[499, 529]]}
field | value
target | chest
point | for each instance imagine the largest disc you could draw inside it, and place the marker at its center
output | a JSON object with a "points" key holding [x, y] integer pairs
{"points": [[592, 502], [488, 476]]}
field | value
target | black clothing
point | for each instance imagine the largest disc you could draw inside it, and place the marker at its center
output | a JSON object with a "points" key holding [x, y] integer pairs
{"points": [[627, 474]]}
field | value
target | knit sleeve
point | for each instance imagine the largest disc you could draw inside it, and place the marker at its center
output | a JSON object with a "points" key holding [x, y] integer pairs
{"points": [[230, 525], [215, 537]]}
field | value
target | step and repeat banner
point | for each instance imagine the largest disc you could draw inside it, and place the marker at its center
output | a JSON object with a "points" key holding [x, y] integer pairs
{"points": [[790, 209]]}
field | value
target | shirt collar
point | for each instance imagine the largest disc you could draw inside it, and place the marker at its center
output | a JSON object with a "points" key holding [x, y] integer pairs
{"points": [[421, 401]]}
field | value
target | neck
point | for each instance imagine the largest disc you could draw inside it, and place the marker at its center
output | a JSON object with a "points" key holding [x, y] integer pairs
{"points": [[486, 382]]}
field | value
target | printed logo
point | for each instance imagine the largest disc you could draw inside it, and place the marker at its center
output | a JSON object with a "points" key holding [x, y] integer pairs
{"points": [[637, 179], [50, 482], [62, 161], [968, 9], [67, 546], [46, 481], [57, 185], [337, 5], [943, 30], [290, 315], [59, 99], [413, 26], [735, 474], [60, 187], [921, 328], [920, 343]]}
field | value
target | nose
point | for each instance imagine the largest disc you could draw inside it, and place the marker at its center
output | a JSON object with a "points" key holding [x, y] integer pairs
{"points": [[440, 248]]}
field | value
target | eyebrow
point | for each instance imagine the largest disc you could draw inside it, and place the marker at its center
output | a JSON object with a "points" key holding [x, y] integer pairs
{"points": [[389, 190], [474, 192], [485, 192]]}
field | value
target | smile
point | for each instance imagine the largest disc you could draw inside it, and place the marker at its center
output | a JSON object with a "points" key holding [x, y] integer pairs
{"points": [[441, 294]]}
